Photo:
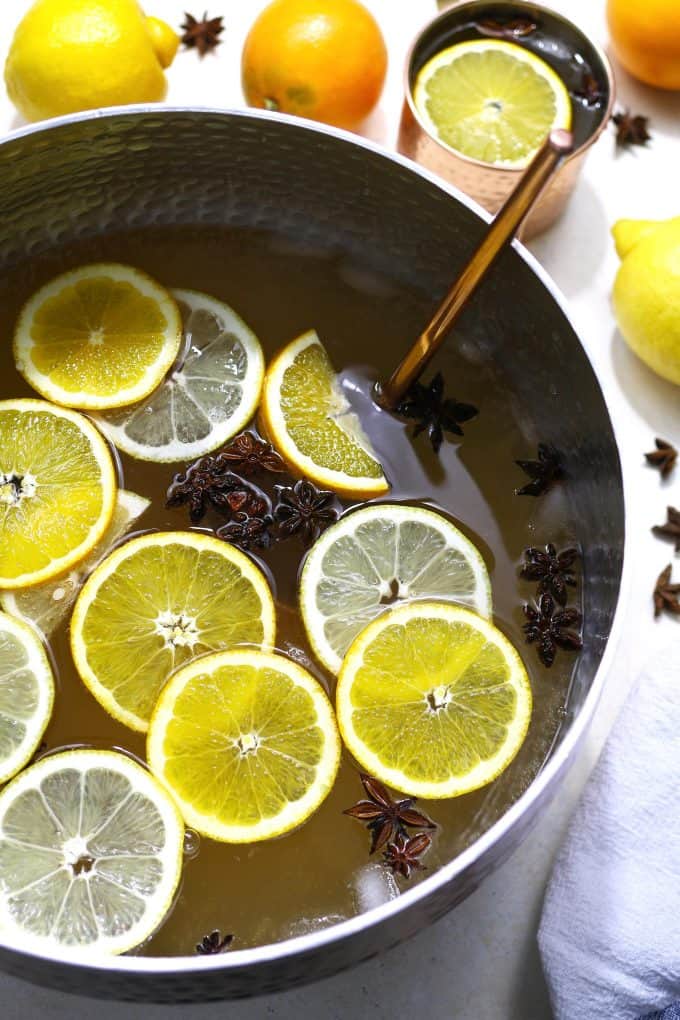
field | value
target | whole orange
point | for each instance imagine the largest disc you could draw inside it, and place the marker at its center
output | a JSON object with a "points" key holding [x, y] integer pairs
{"points": [[323, 59], [645, 37]]}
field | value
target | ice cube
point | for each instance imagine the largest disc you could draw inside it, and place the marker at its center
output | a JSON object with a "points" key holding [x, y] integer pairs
{"points": [[374, 885]]}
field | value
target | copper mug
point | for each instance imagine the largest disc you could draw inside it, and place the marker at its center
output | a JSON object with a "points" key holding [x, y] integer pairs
{"points": [[488, 184]]}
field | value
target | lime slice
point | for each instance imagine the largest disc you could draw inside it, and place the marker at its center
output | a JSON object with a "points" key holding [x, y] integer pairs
{"points": [[46, 606], [433, 700], [57, 490], [308, 419], [376, 557], [90, 854], [155, 603], [102, 335], [491, 100], [246, 742], [210, 394], [26, 694]]}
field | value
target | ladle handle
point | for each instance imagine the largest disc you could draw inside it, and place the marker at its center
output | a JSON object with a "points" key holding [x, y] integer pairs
{"points": [[502, 229]]}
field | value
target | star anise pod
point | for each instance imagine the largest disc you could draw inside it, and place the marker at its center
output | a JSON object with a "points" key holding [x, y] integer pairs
{"points": [[551, 569], [550, 629], [247, 532], [403, 855], [248, 454], [518, 28], [671, 529], [304, 510], [666, 594], [213, 943], [432, 411], [630, 129], [202, 34], [542, 472], [663, 458], [244, 500], [384, 817], [203, 484], [589, 90]]}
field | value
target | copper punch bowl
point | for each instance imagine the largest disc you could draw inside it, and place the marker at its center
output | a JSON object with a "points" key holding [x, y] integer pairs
{"points": [[96, 174]]}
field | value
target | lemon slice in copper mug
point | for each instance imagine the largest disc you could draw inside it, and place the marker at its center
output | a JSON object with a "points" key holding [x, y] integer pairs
{"points": [[491, 100]]}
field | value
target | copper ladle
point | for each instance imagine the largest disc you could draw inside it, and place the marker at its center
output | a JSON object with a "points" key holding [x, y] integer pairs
{"points": [[503, 228]]}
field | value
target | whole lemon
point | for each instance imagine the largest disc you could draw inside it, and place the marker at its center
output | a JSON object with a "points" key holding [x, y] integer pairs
{"points": [[646, 39], [646, 294], [70, 55], [322, 59]]}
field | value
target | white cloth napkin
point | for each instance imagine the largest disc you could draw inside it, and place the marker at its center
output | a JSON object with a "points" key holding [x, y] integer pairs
{"points": [[610, 931]]}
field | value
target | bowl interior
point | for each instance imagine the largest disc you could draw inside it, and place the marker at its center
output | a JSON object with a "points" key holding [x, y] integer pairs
{"points": [[97, 176]]}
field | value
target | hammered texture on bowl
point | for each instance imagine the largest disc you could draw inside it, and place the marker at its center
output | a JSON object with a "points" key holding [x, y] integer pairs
{"points": [[101, 174]]}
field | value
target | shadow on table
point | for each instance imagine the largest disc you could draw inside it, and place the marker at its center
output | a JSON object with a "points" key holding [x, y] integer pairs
{"points": [[655, 400]]}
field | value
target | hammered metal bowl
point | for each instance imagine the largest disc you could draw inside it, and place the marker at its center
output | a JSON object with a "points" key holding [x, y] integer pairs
{"points": [[93, 174]]}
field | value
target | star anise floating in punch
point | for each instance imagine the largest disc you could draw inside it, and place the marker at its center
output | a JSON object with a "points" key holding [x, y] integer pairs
{"points": [[247, 532], [543, 472], [303, 510], [247, 454], [666, 595], [518, 28], [551, 569], [403, 856], [589, 90], [213, 943], [671, 529], [551, 630], [663, 458], [202, 34], [385, 818], [630, 129], [434, 412], [208, 483]]}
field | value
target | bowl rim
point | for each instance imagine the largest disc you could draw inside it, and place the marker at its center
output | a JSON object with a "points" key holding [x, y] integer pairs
{"points": [[548, 774]]}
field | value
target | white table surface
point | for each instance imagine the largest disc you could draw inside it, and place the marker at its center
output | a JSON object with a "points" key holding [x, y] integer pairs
{"points": [[480, 962]]}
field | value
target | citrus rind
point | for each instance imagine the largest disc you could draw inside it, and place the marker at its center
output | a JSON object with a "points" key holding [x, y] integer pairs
{"points": [[13, 688]]}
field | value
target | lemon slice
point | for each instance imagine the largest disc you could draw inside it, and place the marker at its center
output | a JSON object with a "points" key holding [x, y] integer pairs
{"points": [[57, 490], [26, 695], [433, 700], [379, 556], [491, 100], [155, 603], [211, 393], [246, 742], [46, 606], [103, 335], [90, 854], [308, 419]]}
